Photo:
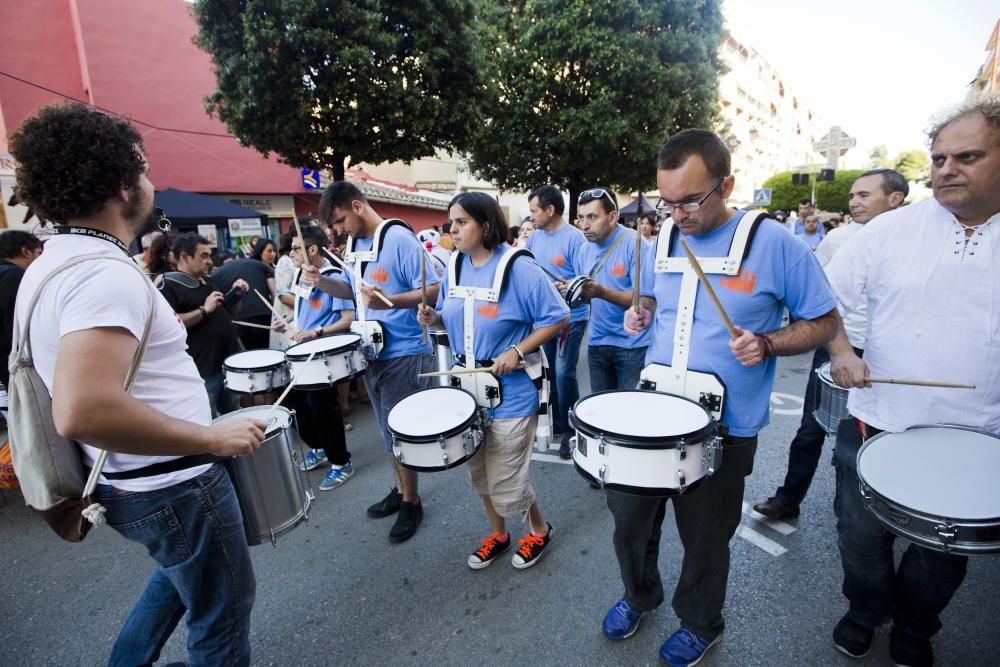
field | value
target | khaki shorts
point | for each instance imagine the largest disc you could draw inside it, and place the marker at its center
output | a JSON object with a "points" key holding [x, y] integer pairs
{"points": [[500, 467]]}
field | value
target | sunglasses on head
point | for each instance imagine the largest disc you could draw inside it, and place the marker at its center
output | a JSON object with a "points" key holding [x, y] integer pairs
{"points": [[596, 193]]}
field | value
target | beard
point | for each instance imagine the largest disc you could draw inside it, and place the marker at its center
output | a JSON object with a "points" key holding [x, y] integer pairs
{"points": [[140, 214]]}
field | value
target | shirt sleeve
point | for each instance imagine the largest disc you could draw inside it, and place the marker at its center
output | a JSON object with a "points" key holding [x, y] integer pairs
{"points": [[536, 295], [848, 270], [410, 256], [647, 271], [807, 292], [442, 294]]}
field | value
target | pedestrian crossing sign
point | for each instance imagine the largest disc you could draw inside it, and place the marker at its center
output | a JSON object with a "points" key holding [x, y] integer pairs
{"points": [[762, 197]]}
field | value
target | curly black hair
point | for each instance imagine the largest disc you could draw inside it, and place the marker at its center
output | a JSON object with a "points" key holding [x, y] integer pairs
{"points": [[72, 160]]}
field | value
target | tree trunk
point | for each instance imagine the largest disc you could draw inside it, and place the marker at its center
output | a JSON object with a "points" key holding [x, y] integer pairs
{"points": [[338, 167]]}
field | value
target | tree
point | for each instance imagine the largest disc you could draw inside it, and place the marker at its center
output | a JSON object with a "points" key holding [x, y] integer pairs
{"points": [[880, 158], [914, 165], [585, 93], [830, 195], [320, 83]]}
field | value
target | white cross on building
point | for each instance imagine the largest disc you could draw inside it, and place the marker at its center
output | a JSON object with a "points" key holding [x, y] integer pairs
{"points": [[834, 143]]}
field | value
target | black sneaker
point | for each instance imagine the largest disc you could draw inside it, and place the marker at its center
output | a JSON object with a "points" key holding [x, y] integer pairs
{"points": [[388, 505], [486, 554], [907, 650], [852, 638], [410, 515], [531, 549]]}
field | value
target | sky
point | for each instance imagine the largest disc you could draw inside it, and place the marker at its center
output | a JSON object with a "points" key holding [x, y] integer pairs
{"points": [[881, 69]]}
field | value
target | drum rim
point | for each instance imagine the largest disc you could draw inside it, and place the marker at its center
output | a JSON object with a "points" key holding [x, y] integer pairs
{"points": [[574, 295], [256, 408], [303, 356], [643, 442], [246, 370], [827, 379], [426, 439]]}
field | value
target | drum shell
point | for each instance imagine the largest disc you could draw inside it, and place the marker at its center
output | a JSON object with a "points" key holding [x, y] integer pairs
{"points": [[440, 451], [327, 368], [831, 401], [574, 291], [444, 358], [269, 486], [255, 379]]}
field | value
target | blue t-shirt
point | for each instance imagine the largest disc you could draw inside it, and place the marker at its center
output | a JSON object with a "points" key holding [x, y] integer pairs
{"points": [[529, 301], [397, 270], [617, 272], [811, 240], [780, 271], [556, 253], [320, 309]]}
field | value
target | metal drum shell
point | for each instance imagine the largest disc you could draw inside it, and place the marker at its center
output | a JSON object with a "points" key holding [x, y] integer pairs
{"points": [[831, 401], [444, 358]]}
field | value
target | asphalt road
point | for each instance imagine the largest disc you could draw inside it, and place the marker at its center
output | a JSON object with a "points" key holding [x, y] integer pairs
{"points": [[334, 591]]}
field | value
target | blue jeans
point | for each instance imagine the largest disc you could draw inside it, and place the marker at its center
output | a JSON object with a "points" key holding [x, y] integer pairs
{"points": [[219, 398], [194, 532], [912, 595], [562, 356], [613, 367]]}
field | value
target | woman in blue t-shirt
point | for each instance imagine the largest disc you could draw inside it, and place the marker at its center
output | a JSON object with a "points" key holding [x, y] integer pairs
{"points": [[528, 313]]}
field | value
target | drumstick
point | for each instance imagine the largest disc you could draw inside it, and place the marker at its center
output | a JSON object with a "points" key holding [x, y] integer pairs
{"points": [[638, 254], [423, 290], [271, 308], [251, 324], [291, 384], [298, 230], [711, 292], [920, 383], [459, 371], [381, 296]]}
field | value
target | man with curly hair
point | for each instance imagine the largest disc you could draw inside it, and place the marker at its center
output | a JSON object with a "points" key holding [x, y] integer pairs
{"points": [[86, 172]]}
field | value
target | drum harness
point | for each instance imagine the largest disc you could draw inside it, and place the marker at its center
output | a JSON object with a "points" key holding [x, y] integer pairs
{"points": [[486, 389], [706, 389], [372, 336]]}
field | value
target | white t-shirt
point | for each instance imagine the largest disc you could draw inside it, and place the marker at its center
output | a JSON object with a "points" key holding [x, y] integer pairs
{"points": [[855, 321], [109, 294], [933, 314]]}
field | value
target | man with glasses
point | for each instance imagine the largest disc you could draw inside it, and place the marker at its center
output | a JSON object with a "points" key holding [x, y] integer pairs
{"points": [[763, 270], [615, 358], [555, 245]]}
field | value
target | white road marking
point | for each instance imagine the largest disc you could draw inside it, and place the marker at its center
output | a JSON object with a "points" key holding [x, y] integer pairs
{"points": [[758, 540], [786, 404], [550, 458], [773, 524]]}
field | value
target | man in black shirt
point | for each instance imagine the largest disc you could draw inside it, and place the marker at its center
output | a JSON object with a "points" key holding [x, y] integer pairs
{"points": [[17, 250], [206, 312], [259, 277]]}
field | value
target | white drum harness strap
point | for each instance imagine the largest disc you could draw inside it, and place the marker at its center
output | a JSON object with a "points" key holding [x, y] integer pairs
{"points": [[705, 388]]}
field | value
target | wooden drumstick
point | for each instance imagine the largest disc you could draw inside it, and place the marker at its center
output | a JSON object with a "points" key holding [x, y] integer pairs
{"points": [[711, 292], [638, 254], [423, 289], [271, 308], [291, 384], [298, 231], [339, 261], [458, 371], [920, 383], [251, 324]]}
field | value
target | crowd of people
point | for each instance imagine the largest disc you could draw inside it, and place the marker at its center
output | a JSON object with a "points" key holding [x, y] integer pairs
{"points": [[899, 284]]}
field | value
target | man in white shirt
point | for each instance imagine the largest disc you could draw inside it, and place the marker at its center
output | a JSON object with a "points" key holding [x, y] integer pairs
{"points": [[874, 192], [931, 275], [85, 330]]}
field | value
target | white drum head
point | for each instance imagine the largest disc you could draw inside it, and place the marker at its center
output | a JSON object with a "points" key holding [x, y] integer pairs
{"points": [[431, 412], [325, 344], [281, 418], [643, 414], [945, 472], [255, 359]]}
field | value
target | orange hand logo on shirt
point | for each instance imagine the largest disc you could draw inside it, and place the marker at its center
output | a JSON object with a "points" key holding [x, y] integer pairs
{"points": [[380, 274], [619, 270], [489, 310], [742, 283], [316, 302], [559, 260]]}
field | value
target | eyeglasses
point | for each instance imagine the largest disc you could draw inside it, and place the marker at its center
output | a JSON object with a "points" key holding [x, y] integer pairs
{"points": [[596, 193], [663, 206]]}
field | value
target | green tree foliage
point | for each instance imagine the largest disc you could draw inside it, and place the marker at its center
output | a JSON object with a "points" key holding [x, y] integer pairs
{"points": [[585, 93], [321, 82], [914, 165], [880, 158], [830, 195]]}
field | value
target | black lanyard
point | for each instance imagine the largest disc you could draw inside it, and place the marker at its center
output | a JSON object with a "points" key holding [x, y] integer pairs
{"points": [[95, 233]]}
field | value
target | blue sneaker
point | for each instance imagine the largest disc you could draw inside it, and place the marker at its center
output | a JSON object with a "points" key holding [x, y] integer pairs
{"points": [[314, 459], [337, 476], [621, 621], [686, 649]]}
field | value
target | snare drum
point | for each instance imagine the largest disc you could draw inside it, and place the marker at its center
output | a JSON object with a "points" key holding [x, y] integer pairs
{"points": [[435, 429], [255, 371], [831, 403], [574, 291], [936, 486], [334, 358], [271, 490], [644, 443]]}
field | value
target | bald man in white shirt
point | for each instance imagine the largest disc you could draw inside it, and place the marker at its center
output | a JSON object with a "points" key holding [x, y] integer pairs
{"points": [[930, 273]]}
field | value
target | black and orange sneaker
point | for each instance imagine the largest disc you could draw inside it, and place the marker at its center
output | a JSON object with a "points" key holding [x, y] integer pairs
{"points": [[486, 554], [531, 549]]}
